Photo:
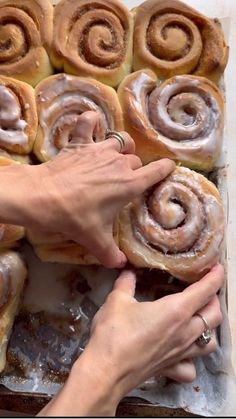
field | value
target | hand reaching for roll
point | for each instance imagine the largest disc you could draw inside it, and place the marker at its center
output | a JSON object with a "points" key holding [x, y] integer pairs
{"points": [[145, 339], [83, 189]]}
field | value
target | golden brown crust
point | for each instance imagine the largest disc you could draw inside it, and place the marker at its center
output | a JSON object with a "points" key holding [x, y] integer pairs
{"points": [[93, 38], [178, 226], [172, 38], [12, 279], [55, 248], [77, 94], [182, 118], [18, 116], [25, 34], [65, 253]]}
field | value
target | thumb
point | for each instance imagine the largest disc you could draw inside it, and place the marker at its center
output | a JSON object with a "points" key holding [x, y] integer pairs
{"points": [[126, 283], [85, 129]]}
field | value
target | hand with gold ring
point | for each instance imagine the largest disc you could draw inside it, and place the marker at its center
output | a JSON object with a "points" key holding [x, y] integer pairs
{"points": [[86, 185]]}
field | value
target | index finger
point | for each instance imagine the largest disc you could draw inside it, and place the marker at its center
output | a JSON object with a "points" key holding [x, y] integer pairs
{"points": [[152, 173], [198, 295]]}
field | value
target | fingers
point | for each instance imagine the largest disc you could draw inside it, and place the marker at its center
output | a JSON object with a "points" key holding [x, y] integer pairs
{"points": [[105, 249], [212, 313], [86, 126], [126, 283], [113, 143], [182, 372], [200, 293], [153, 173], [196, 350], [134, 161]]}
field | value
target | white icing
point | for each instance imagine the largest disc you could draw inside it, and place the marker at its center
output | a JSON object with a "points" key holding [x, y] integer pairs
{"points": [[62, 102], [11, 125], [190, 137], [201, 233]]}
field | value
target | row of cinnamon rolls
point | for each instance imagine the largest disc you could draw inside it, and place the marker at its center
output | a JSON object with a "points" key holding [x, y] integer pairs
{"points": [[181, 118], [104, 40]]}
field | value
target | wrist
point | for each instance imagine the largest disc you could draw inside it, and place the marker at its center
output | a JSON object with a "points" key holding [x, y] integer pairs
{"points": [[89, 391], [91, 373]]}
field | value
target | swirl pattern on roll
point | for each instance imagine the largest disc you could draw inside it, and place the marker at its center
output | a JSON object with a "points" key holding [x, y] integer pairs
{"points": [[18, 116], [171, 38], [93, 38], [182, 118], [61, 99], [12, 280], [177, 226], [25, 34]]}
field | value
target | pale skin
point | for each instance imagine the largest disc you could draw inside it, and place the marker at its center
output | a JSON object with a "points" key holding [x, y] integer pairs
{"points": [[80, 194]]}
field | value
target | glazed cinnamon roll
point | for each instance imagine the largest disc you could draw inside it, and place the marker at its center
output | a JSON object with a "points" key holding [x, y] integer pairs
{"points": [[176, 226], [12, 279], [171, 38], [18, 116], [182, 118], [93, 38], [25, 34], [61, 99]]}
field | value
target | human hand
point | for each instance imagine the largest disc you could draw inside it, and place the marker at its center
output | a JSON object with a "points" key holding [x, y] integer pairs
{"points": [[84, 188], [131, 342]]}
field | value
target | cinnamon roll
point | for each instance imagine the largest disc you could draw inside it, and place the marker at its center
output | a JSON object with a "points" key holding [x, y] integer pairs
{"points": [[57, 248], [61, 99], [93, 38], [171, 38], [18, 116], [182, 118], [25, 35], [176, 226], [12, 279]]}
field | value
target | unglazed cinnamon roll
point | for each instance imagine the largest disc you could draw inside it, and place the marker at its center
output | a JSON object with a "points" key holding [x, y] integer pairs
{"points": [[55, 248], [61, 99], [18, 116], [12, 279], [93, 38], [182, 118], [25, 34], [176, 226], [171, 38]]}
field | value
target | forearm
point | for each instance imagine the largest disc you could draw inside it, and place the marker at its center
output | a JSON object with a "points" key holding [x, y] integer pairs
{"points": [[89, 391]]}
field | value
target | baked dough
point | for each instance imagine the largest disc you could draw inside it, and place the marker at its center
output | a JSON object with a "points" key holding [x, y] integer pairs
{"points": [[172, 38], [182, 118], [12, 279], [25, 36], [93, 38], [61, 99], [176, 226]]}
